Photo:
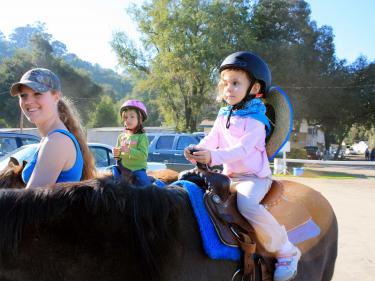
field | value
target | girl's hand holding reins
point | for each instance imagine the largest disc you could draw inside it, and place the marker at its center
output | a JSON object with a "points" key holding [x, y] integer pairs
{"points": [[188, 155], [198, 155]]}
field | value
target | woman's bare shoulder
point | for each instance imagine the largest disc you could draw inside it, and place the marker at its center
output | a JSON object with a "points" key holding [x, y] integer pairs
{"points": [[58, 143]]}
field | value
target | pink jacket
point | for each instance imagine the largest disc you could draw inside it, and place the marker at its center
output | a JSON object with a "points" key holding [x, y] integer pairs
{"points": [[241, 148]]}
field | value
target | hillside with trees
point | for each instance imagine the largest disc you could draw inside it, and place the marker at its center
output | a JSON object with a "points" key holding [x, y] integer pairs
{"points": [[86, 84]]}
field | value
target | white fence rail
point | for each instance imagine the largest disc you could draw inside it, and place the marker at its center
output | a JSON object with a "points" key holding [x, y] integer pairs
{"points": [[330, 162], [280, 165]]}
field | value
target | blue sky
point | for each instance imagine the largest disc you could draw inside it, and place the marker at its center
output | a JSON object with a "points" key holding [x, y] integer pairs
{"points": [[86, 26], [353, 25]]}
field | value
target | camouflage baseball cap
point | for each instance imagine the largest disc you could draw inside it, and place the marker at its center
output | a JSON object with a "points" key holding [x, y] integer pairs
{"points": [[41, 80]]}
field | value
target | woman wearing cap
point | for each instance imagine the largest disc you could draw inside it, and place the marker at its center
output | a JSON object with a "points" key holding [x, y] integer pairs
{"points": [[132, 144], [63, 154], [237, 140]]}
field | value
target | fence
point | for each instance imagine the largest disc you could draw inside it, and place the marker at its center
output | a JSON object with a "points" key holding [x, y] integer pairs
{"points": [[280, 165]]}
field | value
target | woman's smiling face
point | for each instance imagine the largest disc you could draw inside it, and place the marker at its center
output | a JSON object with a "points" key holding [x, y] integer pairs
{"points": [[38, 107]]}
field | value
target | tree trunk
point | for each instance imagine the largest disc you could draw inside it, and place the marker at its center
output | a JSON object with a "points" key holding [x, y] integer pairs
{"points": [[341, 139]]}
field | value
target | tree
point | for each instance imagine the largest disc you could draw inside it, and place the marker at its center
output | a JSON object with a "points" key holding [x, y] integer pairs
{"points": [[42, 50], [299, 54], [104, 115], [349, 101], [323, 89], [184, 42], [5, 49], [20, 38], [59, 48], [357, 134], [364, 86], [11, 71]]}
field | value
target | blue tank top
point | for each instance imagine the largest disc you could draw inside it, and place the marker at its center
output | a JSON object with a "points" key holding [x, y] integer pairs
{"points": [[73, 174]]}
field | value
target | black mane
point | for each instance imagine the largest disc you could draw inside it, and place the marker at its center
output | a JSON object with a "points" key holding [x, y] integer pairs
{"points": [[96, 216]]}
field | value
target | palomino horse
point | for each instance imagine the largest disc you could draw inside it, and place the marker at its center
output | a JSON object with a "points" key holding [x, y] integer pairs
{"points": [[106, 230]]}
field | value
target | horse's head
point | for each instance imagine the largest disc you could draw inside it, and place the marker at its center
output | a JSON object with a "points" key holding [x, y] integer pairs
{"points": [[11, 175]]}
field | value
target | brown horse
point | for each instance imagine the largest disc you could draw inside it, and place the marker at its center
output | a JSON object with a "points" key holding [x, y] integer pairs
{"points": [[106, 230], [10, 177]]}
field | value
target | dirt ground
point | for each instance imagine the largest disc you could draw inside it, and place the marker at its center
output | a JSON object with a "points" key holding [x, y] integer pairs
{"points": [[353, 201]]}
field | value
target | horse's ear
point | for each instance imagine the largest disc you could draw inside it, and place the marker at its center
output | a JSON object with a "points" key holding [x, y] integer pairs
{"points": [[24, 162], [13, 162]]}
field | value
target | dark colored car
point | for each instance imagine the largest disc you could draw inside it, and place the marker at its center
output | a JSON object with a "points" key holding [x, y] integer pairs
{"points": [[169, 148], [313, 152], [12, 141]]}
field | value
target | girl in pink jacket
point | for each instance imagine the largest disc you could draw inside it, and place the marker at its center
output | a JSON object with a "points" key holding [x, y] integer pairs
{"points": [[237, 140]]}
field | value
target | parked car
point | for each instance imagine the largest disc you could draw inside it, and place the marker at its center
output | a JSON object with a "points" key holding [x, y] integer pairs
{"points": [[313, 153], [102, 154], [200, 135], [169, 148], [12, 141]]}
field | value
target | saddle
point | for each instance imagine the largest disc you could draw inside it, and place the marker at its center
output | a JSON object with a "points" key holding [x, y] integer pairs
{"points": [[232, 228]]}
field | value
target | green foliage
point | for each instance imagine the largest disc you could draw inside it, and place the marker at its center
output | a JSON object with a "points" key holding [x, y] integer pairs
{"points": [[104, 115], [184, 41], [34, 37], [76, 85], [149, 98], [3, 124], [117, 86], [356, 134], [21, 36], [331, 93], [10, 71], [297, 153]]}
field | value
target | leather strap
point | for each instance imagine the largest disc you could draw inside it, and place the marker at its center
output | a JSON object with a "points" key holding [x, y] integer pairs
{"points": [[248, 247]]}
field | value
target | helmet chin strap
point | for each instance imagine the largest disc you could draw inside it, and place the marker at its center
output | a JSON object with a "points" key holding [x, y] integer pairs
{"points": [[240, 105]]}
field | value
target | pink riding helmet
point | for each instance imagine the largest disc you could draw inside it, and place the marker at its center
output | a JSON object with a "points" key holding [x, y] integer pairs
{"points": [[135, 104]]}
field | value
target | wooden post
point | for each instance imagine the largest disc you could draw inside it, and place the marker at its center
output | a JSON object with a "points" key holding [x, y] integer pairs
{"points": [[21, 121]]}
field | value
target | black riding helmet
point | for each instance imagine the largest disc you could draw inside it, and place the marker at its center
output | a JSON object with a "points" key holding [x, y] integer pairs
{"points": [[252, 64], [256, 68]]}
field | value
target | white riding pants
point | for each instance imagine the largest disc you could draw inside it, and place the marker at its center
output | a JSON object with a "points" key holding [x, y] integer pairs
{"points": [[250, 191]]}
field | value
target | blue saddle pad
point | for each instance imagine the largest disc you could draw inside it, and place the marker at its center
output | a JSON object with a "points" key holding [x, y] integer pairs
{"points": [[212, 244]]}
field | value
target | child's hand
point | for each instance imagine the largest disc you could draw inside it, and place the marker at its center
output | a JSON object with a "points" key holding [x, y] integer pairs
{"points": [[188, 155], [195, 154], [202, 156], [187, 151], [116, 152]]}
